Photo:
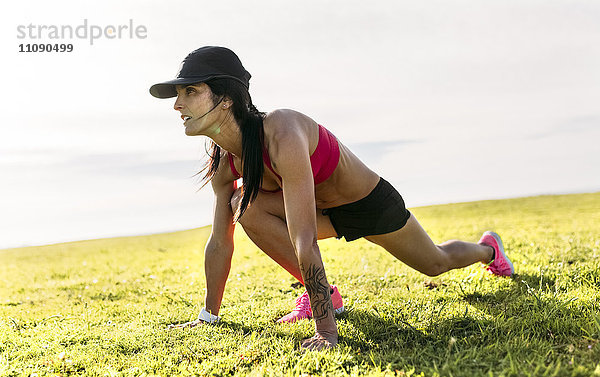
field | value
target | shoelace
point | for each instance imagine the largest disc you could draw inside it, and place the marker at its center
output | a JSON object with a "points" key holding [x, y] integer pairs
{"points": [[303, 303], [499, 266]]}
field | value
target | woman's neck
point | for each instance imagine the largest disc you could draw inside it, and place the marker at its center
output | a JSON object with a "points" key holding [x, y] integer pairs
{"points": [[227, 135]]}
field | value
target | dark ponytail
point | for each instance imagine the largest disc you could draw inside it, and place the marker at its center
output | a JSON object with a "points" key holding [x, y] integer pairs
{"points": [[250, 121]]}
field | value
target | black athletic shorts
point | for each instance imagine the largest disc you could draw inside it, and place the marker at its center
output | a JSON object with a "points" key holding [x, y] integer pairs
{"points": [[380, 212]]}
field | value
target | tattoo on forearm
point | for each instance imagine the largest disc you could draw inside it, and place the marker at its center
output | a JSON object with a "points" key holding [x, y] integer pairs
{"points": [[318, 291]]}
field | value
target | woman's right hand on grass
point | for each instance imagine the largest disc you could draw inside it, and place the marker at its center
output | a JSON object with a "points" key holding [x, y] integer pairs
{"points": [[320, 342]]}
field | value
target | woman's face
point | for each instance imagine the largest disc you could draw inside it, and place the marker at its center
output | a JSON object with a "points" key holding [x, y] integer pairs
{"points": [[195, 102]]}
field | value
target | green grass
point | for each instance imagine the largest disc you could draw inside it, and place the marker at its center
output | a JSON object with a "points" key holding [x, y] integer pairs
{"points": [[101, 307]]}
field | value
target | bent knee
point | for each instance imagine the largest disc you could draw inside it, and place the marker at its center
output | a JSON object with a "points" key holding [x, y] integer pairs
{"points": [[434, 270], [236, 199], [248, 217], [270, 204], [437, 266]]}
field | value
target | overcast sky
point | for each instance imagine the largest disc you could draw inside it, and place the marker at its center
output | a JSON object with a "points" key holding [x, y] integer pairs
{"points": [[448, 100]]}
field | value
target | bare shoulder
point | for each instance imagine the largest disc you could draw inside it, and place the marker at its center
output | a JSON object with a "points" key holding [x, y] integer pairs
{"points": [[287, 134], [285, 127], [284, 115], [282, 122]]}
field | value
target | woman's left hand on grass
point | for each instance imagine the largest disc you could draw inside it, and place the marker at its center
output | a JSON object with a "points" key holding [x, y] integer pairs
{"points": [[193, 323]]}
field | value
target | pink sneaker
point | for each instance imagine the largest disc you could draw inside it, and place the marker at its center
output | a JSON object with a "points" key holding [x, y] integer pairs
{"points": [[303, 310], [501, 265], [336, 300]]}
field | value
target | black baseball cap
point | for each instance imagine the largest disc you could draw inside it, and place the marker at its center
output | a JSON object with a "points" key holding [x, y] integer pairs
{"points": [[201, 65]]}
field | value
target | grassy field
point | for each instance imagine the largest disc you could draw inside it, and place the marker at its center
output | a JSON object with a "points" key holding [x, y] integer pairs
{"points": [[101, 307]]}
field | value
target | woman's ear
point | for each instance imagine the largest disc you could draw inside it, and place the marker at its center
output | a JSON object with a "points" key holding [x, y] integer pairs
{"points": [[227, 103]]}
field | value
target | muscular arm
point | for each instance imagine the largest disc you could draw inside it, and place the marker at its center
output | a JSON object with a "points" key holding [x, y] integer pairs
{"points": [[219, 249], [291, 159]]}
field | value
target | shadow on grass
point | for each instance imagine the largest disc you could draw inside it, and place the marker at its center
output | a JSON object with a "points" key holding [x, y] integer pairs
{"points": [[367, 330], [532, 310], [529, 312], [389, 342], [523, 286], [535, 309]]}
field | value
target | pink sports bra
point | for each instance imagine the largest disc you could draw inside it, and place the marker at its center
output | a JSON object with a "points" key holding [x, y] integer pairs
{"points": [[323, 161]]}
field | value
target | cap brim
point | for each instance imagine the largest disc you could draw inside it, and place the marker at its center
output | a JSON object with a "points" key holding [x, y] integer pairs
{"points": [[167, 89]]}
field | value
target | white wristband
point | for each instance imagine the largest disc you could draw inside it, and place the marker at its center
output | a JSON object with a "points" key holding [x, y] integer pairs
{"points": [[207, 317]]}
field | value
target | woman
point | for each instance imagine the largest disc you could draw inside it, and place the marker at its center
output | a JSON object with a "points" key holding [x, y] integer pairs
{"points": [[300, 184]]}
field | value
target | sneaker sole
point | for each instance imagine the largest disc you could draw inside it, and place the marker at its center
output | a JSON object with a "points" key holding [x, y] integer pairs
{"points": [[501, 245]]}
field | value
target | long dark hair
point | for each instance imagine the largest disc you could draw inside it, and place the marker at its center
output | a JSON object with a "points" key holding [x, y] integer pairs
{"points": [[250, 121]]}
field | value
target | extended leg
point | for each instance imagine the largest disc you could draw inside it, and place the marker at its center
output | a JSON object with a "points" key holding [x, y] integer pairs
{"points": [[412, 245]]}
